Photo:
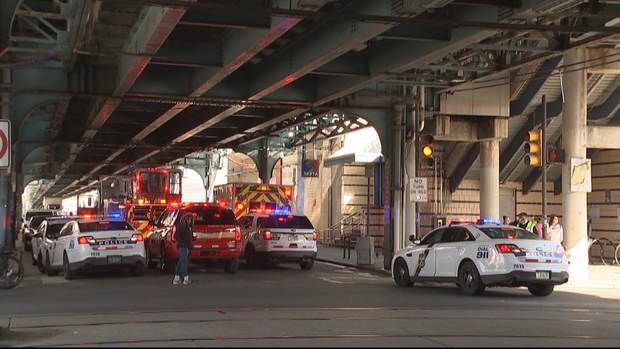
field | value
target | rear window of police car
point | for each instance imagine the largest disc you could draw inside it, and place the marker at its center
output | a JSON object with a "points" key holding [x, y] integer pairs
{"points": [[505, 232], [213, 216], [286, 222], [104, 226]]}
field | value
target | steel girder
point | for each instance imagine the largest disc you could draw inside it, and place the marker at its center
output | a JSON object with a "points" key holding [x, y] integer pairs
{"points": [[519, 106], [303, 58], [237, 50], [149, 33], [7, 13]]}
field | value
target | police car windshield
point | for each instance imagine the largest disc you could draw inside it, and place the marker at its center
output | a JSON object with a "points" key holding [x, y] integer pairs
{"points": [[285, 222], [36, 221], [509, 233], [104, 226]]}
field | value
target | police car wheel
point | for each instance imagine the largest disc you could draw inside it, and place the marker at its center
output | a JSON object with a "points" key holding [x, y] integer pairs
{"points": [[231, 266], [149, 263], [34, 260], [307, 265], [469, 279], [540, 290], [48, 267], [40, 264], [69, 273], [401, 273]]}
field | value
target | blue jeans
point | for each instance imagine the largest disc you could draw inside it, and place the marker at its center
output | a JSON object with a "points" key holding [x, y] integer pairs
{"points": [[181, 268]]}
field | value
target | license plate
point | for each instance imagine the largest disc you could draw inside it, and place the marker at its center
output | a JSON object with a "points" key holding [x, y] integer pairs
{"points": [[205, 235], [542, 274], [207, 253], [292, 238], [114, 259]]}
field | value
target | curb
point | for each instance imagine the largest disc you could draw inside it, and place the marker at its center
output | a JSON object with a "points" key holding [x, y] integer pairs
{"points": [[381, 272]]}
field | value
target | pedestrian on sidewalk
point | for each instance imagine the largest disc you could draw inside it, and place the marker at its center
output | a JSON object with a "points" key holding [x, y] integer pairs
{"points": [[538, 226], [524, 223], [184, 237], [506, 220], [555, 232]]}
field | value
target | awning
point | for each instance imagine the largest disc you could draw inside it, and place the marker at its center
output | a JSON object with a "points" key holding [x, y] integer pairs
{"points": [[361, 146]]}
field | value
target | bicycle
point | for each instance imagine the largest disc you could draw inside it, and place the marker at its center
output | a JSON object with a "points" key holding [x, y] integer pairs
{"points": [[11, 268]]}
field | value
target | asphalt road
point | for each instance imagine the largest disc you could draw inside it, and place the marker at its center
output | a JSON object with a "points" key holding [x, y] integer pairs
{"points": [[286, 306]]}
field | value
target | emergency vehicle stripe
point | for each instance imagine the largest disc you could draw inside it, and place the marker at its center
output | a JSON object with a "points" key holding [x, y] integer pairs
{"points": [[245, 190], [418, 268]]}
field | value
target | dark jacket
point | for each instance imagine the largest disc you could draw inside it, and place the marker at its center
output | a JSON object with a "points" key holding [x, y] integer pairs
{"points": [[183, 235]]}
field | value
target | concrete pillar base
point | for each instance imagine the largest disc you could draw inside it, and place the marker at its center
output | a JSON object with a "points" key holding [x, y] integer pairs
{"points": [[578, 269], [489, 180]]}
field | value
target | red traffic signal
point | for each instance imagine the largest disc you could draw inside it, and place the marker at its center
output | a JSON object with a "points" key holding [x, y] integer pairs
{"points": [[555, 156]]}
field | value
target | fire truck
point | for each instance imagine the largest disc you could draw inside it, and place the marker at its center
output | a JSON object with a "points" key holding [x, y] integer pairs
{"points": [[252, 197], [140, 197]]}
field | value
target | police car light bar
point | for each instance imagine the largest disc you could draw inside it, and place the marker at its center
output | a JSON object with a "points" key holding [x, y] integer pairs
{"points": [[277, 211], [473, 221]]}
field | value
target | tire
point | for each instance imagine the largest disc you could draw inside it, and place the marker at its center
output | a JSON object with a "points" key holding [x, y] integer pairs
{"points": [[149, 263], [307, 265], [231, 266], [40, 264], [68, 272], [167, 265], [540, 290], [13, 280], [48, 267], [469, 279], [401, 273], [250, 257], [139, 270]]}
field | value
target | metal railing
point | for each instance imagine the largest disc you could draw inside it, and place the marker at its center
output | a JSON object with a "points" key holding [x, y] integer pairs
{"points": [[350, 227], [604, 251]]}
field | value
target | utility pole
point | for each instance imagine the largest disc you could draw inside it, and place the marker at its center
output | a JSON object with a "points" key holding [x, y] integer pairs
{"points": [[543, 151]]}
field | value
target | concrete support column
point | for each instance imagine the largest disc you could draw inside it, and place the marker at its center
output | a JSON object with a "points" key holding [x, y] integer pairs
{"points": [[265, 169], [489, 179], [574, 128], [397, 171]]}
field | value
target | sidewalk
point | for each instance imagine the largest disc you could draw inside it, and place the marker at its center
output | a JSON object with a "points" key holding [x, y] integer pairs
{"points": [[601, 277]]}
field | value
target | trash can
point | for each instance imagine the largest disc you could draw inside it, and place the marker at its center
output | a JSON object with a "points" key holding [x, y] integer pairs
{"points": [[365, 250]]}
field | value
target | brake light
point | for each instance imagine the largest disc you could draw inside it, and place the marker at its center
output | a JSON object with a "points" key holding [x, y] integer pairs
{"points": [[137, 188], [103, 222], [239, 206], [138, 177], [174, 204], [137, 238], [281, 219], [164, 171], [85, 240], [314, 236], [263, 188], [267, 235], [237, 233], [222, 204], [87, 216], [511, 237], [507, 248], [287, 192]]}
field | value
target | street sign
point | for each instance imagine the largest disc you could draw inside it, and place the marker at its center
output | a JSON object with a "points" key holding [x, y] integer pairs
{"points": [[310, 168], [418, 189], [5, 144]]}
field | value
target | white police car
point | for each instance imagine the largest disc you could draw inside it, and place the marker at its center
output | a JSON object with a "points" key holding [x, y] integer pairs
{"points": [[479, 256], [278, 238], [97, 243]]}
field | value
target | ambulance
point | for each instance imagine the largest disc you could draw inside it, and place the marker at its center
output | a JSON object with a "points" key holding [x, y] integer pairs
{"points": [[244, 198]]}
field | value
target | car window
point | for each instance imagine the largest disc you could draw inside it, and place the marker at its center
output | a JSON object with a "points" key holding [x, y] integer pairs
{"points": [[86, 227], [36, 221], [285, 222], [66, 230], [456, 234], [53, 231], [433, 237], [509, 233], [212, 215], [169, 220]]}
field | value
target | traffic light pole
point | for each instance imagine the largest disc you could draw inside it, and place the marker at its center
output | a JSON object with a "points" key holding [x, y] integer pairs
{"points": [[543, 151]]}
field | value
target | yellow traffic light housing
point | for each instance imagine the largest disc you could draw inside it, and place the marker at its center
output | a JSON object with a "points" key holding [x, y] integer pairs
{"points": [[533, 148], [428, 153]]}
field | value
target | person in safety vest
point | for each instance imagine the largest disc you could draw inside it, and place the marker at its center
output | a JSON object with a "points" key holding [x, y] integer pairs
{"points": [[524, 222]]}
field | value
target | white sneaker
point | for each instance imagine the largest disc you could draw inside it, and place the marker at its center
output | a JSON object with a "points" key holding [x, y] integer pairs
{"points": [[187, 281], [176, 280]]}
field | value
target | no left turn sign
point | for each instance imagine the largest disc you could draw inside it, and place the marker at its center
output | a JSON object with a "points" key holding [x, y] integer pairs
{"points": [[5, 144]]}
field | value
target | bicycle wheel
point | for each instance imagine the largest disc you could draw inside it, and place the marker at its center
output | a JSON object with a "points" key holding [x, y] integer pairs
{"points": [[608, 251], [11, 272], [617, 255], [596, 257]]}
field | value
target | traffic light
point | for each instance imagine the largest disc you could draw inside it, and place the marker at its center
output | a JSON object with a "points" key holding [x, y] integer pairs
{"points": [[555, 156], [533, 148], [428, 153]]}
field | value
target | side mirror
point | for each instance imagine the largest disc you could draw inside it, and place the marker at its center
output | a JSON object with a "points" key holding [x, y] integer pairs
{"points": [[414, 240]]}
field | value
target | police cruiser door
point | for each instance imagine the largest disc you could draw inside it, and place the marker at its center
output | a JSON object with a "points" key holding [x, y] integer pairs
{"points": [[422, 259], [450, 250], [61, 244]]}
